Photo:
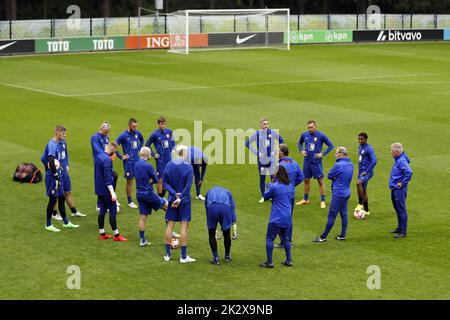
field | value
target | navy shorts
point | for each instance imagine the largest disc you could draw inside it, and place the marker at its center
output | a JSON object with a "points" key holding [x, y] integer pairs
{"points": [[50, 186], [219, 213], [105, 203], [160, 166], [365, 179], [313, 170], [65, 178], [149, 202], [182, 213], [128, 168]]}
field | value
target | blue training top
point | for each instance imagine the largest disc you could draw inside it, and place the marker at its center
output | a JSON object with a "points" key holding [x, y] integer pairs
{"points": [[281, 195]]}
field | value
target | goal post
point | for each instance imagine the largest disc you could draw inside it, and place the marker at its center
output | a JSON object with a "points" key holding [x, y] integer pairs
{"points": [[228, 29]]}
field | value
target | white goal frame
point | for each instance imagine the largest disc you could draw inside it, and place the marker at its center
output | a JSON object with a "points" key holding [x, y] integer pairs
{"points": [[188, 13]]}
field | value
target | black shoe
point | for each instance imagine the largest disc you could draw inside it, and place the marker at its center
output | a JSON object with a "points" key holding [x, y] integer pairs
{"points": [[320, 239], [287, 263], [266, 265], [395, 231], [228, 259], [215, 261], [400, 235], [340, 238]]}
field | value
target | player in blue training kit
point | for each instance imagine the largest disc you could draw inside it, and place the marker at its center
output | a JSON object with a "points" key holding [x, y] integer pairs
{"points": [[281, 192], [103, 176], [148, 200], [310, 145], [67, 181], [367, 161], [341, 175], [267, 142], [163, 141], [54, 183], [199, 161], [98, 143], [131, 141], [295, 177], [401, 175], [220, 208], [177, 180]]}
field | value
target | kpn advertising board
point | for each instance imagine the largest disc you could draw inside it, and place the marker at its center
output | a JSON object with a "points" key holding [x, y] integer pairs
{"points": [[319, 36], [79, 44]]}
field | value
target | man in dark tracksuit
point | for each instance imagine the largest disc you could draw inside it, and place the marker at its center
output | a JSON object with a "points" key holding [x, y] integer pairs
{"points": [[401, 174], [341, 174]]}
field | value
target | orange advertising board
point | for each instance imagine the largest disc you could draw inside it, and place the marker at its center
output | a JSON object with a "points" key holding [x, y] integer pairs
{"points": [[163, 41]]}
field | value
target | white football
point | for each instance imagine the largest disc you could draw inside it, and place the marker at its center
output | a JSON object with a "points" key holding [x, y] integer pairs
{"points": [[174, 243], [359, 214]]}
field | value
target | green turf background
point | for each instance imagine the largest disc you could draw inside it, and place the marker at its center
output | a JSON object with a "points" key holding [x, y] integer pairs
{"points": [[394, 92]]}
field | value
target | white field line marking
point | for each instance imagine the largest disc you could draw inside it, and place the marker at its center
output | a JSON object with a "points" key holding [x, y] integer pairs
{"points": [[360, 79], [250, 84], [189, 62], [33, 89]]}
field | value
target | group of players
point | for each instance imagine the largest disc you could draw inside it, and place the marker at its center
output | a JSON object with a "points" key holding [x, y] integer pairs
{"points": [[177, 166]]}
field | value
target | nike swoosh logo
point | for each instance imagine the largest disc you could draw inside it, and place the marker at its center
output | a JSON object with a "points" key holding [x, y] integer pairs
{"points": [[240, 41], [7, 45]]}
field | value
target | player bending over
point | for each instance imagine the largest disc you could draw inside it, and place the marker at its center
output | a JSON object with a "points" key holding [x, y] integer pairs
{"points": [[148, 200], [220, 208]]}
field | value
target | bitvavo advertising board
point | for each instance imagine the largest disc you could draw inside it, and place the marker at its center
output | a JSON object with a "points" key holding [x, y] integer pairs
{"points": [[398, 35], [319, 36]]}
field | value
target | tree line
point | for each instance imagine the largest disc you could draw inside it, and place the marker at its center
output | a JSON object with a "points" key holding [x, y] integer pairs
{"points": [[56, 9]]}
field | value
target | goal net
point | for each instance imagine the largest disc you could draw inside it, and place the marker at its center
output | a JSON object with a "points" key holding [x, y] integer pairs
{"points": [[228, 29]]}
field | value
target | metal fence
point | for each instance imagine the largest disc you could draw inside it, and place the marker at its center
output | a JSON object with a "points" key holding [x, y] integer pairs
{"points": [[58, 28]]}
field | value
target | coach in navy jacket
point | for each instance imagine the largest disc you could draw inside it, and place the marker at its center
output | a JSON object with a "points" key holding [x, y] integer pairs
{"points": [[401, 174], [341, 175]]}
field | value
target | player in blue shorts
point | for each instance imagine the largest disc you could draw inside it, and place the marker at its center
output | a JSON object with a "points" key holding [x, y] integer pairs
{"points": [[103, 177], [367, 161], [163, 141], [67, 181], [53, 179], [220, 208], [310, 145], [177, 180], [148, 200], [199, 162], [131, 141], [267, 141]]}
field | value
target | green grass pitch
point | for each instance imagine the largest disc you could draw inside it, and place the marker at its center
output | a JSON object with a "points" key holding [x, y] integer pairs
{"points": [[395, 92]]}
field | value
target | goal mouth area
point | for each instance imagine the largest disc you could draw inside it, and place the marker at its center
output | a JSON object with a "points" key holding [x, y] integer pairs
{"points": [[229, 29]]}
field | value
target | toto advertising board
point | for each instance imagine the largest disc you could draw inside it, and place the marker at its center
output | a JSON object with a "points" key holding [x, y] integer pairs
{"points": [[79, 44], [322, 36], [398, 35]]}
